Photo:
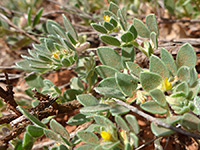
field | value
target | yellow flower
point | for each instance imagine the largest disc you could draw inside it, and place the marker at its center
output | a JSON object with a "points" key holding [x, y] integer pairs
{"points": [[106, 18], [106, 136], [55, 54], [166, 85]]}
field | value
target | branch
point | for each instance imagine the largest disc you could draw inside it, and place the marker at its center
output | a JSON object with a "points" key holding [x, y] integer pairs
{"points": [[155, 120]]}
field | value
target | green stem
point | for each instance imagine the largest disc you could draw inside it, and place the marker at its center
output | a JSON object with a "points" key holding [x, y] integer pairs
{"points": [[139, 47], [89, 85]]}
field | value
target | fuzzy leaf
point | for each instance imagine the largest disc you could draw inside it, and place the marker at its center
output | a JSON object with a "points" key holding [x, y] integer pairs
{"points": [[28, 141], [87, 100], [167, 58], [110, 145], [134, 68], [150, 80], [85, 146], [186, 56], [158, 96], [108, 26], [133, 31], [128, 54], [75, 83], [156, 65], [118, 110], [190, 121], [78, 119], [105, 71], [110, 57], [108, 39], [132, 121], [108, 82], [152, 23], [99, 28], [127, 37], [153, 37], [34, 131], [126, 83], [113, 8], [153, 107], [37, 17], [160, 131], [94, 109], [183, 73], [142, 30], [52, 135], [113, 22], [103, 121], [120, 122], [88, 137]]}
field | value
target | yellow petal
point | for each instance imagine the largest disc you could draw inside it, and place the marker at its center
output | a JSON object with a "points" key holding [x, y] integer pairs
{"points": [[106, 136], [106, 18], [166, 85]]}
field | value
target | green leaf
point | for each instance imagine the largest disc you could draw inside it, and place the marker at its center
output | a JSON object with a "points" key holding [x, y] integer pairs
{"points": [[94, 109], [69, 27], [153, 37], [87, 100], [70, 94], [156, 65], [110, 14], [153, 107], [142, 30], [122, 20], [58, 128], [150, 80], [113, 22], [103, 121], [127, 146], [85, 146], [190, 122], [29, 16], [197, 104], [34, 81], [110, 92], [113, 8], [133, 31], [160, 131], [32, 118], [193, 76], [126, 83], [183, 73], [78, 119], [170, 5], [75, 83], [120, 122], [118, 110], [108, 26], [34, 131], [71, 38], [88, 137], [167, 58], [152, 23], [158, 96], [182, 87], [28, 141], [99, 28], [52, 135], [62, 147], [108, 82], [132, 121], [110, 57], [127, 37], [134, 68], [186, 56], [135, 139], [105, 71], [37, 17], [110, 145], [128, 54], [108, 39]]}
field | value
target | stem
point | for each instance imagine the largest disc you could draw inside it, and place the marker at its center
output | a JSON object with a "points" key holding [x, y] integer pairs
{"points": [[139, 47]]}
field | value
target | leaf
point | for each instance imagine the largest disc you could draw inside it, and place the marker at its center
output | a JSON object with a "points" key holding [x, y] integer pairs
{"points": [[156, 65], [32, 118], [153, 107], [88, 137], [69, 27], [190, 122], [108, 82], [135, 139], [133, 31], [167, 58], [58, 128], [186, 56], [128, 54], [27, 141], [110, 92], [134, 68], [78, 119], [108, 26], [132, 121], [153, 37], [34, 131], [158, 96], [99, 28], [183, 73], [105, 71], [150, 80], [103, 121], [108, 39], [109, 57], [160, 131], [87, 100], [110, 145], [113, 22], [197, 104], [121, 19], [127, 37], [71, 38], [75, 83], [34, 81], [126, 83], [120, 122], [94, 109], [29, 16], [118, 110], [37, 17], [152, 23], [170, 5], [182, 87], [113, 8], [52, 135], [85, 146], [70, 94], [110, 14], [142, 30]]}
